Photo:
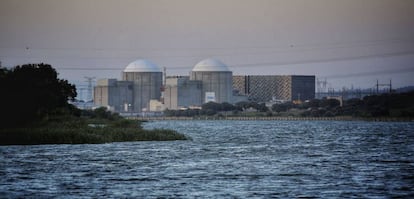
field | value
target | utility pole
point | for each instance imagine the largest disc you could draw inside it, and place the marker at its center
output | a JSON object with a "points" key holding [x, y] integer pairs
{"points": [[165, 76], [377, 87], [390, 86], [89, 80]]}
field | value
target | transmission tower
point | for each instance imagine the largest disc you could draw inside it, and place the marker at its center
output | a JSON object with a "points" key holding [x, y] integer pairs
{"points": [[321, 86], [81, 94], [89, 90], [378, 85]]}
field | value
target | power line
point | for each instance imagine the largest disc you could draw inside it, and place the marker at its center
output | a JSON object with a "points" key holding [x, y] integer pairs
{"points": [[371, 73], [312, 61], [266, 64]]}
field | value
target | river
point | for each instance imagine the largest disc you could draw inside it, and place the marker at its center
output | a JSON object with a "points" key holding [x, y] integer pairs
{"points": [[225, 159]]}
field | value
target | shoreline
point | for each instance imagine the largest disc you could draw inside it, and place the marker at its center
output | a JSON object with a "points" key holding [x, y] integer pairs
{"points": [[340, 118]]}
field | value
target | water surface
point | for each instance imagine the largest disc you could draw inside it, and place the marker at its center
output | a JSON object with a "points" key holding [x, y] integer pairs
{"points": [[225, 159]]}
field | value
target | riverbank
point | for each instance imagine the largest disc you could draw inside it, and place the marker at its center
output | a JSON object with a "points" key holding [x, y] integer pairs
{"points": [[84, 131], [339, 118]]}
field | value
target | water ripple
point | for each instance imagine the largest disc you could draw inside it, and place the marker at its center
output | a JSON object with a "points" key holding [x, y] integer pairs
{"points": [[225, 159]]}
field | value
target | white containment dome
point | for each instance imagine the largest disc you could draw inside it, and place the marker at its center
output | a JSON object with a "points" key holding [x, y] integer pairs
{"points": [[217, 81], [146, 78], [210, 65], [142, 65]]}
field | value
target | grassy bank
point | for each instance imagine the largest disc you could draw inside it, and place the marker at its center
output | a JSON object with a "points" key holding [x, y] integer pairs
{"points": [[84, 131]]}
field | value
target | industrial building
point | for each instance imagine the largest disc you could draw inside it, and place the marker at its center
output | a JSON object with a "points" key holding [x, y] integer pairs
{"points": [[116, 95], [181, 92], [209, 80], [142, 88], [216, 80], [141, 85], [141, 82], [264, 88]]}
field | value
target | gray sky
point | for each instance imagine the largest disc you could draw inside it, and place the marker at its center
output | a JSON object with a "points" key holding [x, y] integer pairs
{"points": [[351, 42]]}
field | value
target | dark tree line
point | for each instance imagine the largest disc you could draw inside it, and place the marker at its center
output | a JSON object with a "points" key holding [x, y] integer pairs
{"points": [[213, 108], [31, 92], [385, 105], [394, 105], [260, 107]]}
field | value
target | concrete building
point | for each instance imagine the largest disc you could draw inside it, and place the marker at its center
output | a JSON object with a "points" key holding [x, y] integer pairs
{"points": [[216, 80], [156, 106], [113, 94], [210, 80], [181, 92], [147, 83], [263, 88], [141, 82]]}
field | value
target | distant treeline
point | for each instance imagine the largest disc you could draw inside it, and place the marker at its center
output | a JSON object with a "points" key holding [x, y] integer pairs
{"points": [[212, 108], [385, 105]]}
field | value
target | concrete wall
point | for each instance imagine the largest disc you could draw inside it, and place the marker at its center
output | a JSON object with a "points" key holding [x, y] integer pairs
{"points": [[171, 97], [114, 94], [181, 92], [100, 96], [146, 86], [218, 82]]}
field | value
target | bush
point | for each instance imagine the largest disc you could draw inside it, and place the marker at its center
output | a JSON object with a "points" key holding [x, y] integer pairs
{"points": [[282, 107], [328, 114]]}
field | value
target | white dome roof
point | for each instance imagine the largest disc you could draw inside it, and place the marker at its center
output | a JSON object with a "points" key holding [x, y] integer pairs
{"points": [[142, 65], [211, 65]]}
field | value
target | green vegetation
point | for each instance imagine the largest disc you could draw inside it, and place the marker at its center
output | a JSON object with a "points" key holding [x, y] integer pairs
{"points": [[35, 110], [396, 105], [92, 129]]}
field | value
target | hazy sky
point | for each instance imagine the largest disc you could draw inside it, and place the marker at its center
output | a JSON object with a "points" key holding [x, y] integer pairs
{"points": [[351, 42]]}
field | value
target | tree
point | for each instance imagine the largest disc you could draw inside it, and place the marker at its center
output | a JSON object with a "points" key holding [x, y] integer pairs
{"points": [[329, 103], [242, 105], [211, 106], [314, 103], [282, 107], [227, 107], [32, 91], [261, 107]]}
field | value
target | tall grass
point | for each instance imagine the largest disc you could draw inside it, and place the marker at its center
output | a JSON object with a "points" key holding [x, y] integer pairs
{"points": [[79, 131]]}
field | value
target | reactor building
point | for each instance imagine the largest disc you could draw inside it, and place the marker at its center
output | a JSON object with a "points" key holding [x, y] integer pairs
{"points": [[210, 81], [216, 80], [144, 88], [141, 82]]}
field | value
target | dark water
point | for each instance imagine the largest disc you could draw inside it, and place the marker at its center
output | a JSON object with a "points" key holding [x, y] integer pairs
{"points": [[226, 159]]}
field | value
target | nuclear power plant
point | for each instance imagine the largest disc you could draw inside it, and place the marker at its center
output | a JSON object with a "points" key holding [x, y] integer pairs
{"points": [[145, 88]]}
